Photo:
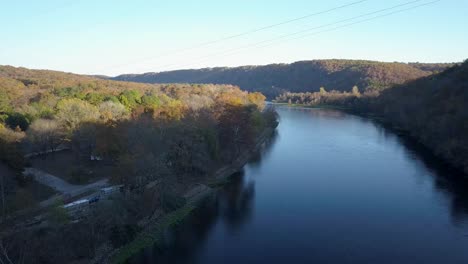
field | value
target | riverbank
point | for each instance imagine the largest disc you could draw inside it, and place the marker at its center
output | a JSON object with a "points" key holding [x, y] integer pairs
{"points": [[386, 123], [153, 232]]}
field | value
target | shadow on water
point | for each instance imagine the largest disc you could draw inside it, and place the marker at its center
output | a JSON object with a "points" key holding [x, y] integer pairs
{"points": [[264, 151], [232, 207], [449, 181]]}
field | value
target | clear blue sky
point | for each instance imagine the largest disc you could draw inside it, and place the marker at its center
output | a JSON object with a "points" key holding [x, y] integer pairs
{"points": [[115, 36]]}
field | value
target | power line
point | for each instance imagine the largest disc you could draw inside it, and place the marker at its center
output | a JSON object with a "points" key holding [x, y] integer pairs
{"points": [[281, 23], [297, 32], [373, 18], [256, 45], [245, 33]]}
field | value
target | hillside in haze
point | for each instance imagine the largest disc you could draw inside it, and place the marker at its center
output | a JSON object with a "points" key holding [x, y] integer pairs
{"points": [[303, 76]]}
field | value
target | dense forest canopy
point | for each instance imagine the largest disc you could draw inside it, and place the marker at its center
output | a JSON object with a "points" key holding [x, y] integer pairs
{"points": [[303, 76], [42, 110], [26, 95]]}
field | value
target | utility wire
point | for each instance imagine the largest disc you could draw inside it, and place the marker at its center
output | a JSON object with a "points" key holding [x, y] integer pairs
{"points": [[280, 24], [296, 33], [258, 44], [245, 33]]}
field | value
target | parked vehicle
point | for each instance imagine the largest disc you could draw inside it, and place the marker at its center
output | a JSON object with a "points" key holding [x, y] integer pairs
{"points": [[94, 199], [77, 205]]}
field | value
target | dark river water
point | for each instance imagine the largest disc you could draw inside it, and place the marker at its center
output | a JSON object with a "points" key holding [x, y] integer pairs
{"points": [[330, 188]]}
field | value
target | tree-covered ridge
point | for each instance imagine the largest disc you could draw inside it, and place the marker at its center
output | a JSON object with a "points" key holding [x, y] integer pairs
{"points": [[303, 76]]}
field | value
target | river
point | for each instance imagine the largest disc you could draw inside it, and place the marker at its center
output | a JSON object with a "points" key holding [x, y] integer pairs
{"points": [[330, 188]]}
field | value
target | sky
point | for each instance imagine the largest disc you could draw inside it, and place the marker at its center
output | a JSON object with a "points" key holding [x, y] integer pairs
{"points": [[112, 37]]}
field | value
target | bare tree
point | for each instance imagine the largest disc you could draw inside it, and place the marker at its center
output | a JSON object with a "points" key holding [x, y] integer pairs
{"points": [[4, 258]]}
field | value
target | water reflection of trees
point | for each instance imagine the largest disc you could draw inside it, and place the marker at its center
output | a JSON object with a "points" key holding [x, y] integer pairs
{"points": [[264, 151], [450, 182], [316, 112], [232, 207], [236, 202]]}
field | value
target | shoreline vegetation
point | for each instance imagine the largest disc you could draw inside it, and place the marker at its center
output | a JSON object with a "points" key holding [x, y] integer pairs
{"points": [[153, 232], [155, 145], [431, 110]]}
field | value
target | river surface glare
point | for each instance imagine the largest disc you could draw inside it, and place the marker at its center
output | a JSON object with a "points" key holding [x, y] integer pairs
{"points": [[329, 188]]}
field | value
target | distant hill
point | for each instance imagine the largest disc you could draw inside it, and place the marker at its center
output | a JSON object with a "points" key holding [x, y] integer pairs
{"points": [[303, 76]]}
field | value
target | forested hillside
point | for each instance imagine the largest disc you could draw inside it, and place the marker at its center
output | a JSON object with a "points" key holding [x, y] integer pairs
{"points": [[40, 110], [156, 141], [304, 76]]}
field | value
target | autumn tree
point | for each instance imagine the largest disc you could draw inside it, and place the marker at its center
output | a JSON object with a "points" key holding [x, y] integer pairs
{"points": [[257, 99], [112, 111], [235, 126], [94, 98], [150, 101], [130, 98], [323, 91], [72, 112], [45, 135]]}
